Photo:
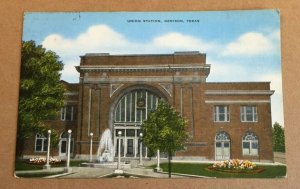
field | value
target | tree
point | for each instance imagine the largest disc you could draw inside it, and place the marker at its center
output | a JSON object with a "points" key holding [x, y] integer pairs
{"points": [[165, 130], [278, 138], [41, 93]]}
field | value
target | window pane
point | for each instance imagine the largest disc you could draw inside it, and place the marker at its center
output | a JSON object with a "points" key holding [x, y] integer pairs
{"points": [[38, 145], [254, 145], [221, 117], [246, 145], [226, 144], [123, 110], [62, 115], [221, 109], [249, 117], [128, 107], [218, 144], [130, 132], [249, 109], [69, 113], [45, 145]]}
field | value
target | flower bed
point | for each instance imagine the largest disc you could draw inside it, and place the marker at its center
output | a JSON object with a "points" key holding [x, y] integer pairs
{"points": [[235, 166], [42, 161]]}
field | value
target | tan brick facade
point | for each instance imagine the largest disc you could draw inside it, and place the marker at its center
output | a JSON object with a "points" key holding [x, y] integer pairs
{"points": [[180, 79]]}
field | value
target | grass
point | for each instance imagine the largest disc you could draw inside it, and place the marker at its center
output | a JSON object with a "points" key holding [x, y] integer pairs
{"points": [[37, 175], [270, 171], [22, 165]]}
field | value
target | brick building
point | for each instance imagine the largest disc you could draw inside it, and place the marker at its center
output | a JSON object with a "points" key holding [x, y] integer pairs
{"points": [[225, 119]]}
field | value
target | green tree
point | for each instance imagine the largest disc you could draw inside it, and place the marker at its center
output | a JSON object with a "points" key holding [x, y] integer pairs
{"points": [[278, 138], [41, 93], [165, 130]]}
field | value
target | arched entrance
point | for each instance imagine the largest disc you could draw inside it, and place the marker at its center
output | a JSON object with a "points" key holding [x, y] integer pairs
{"points": [[129, 113], [222, 146]]}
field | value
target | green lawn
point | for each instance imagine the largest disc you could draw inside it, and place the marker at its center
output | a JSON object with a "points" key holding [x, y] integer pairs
{"points": [[201, 170], [22, 165], [37, 175]]}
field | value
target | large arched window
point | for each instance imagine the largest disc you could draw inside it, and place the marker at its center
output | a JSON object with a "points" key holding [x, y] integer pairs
{"points": [[134, 106], [41, 143], [250, 144], [131, 110]]}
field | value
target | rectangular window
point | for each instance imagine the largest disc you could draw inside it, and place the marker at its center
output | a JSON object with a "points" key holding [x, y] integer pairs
{"points": [[221, 113], [248, 113], [67, 113]]}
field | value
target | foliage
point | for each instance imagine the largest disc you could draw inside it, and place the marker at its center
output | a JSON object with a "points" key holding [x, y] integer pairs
{"points": [[278, 138], [235, 164], [21, 165], [165, 130], [41, 93], [42, 161], [199, 169]]}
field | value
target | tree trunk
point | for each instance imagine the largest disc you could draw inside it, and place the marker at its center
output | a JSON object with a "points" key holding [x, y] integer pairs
{"points": [[170, 169], [19, 148]]}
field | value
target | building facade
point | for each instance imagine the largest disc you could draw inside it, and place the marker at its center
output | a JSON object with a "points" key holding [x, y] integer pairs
{"points": [[225, 119]]}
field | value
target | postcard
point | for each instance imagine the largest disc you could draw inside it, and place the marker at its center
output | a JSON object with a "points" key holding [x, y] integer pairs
{"points": [[151, 95]]}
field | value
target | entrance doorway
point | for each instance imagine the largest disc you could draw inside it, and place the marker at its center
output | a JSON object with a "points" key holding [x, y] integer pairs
{"points": [[63, 145], [222, 146]]}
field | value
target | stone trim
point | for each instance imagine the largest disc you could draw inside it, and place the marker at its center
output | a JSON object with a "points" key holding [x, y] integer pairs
{"points": [[147, 79], [114, 88], [239, 92], [236, 101], [168, 87], [71, 93], [144, 68]]}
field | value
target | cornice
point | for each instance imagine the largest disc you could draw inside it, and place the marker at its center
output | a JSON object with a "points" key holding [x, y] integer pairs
{"points": [[144, 68]]}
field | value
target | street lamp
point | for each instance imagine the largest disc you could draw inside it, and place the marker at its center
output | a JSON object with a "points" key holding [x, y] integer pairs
{"points": [[119, 149], [119, 170], [141, 149], [91, 147], [47, 166], [67, 169], [158, 163]]}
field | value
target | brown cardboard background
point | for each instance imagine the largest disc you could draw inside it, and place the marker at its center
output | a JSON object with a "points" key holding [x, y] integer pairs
{"points": [[11, 32]]}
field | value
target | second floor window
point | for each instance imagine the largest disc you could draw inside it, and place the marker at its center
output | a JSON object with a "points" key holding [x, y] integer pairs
{"points": [[248, 113], [67, 113], [221, 113]]}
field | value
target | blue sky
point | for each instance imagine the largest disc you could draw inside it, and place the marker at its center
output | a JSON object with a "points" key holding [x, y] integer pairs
{"points": [[239, 45]]}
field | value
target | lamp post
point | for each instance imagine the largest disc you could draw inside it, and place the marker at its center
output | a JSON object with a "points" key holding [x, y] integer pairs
{"points": [[119, 149], [48, 166], [141, 150], [158, 159], [91, 147], [118, 170], [68, 169]]}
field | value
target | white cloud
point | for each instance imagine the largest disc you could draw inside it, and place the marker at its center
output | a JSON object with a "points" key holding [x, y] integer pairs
{"points": [[178, 41], [101, 38], [251, 43], [69, 73]]}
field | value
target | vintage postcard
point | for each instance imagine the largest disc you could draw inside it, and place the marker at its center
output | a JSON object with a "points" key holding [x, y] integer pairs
{"points": [[151, 95]]}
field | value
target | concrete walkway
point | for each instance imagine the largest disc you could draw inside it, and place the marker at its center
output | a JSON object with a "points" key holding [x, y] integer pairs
{"points": [[90, 172], [135, 170]]}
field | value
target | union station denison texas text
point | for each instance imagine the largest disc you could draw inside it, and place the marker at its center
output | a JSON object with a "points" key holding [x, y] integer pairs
{"points": [[225, 119]]}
